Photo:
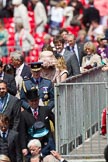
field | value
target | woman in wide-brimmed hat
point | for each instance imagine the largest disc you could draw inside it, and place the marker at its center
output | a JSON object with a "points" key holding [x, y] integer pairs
{"points": [[48, 66]]}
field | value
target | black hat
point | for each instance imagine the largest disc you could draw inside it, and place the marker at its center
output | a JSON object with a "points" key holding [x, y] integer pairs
{"points": [[36, 66], [38, 130], [32, 94]]}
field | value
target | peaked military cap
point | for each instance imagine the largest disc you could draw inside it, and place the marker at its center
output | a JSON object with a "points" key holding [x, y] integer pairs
{"points": [[36, 66]]}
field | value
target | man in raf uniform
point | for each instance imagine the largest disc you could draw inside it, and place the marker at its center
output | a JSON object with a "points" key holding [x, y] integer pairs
{"points": [[44, 86]]}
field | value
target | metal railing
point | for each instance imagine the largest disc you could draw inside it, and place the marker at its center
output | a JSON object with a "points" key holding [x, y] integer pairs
{"points": [[78, 106]]}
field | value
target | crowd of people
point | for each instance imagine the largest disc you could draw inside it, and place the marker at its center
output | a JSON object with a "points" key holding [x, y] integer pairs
{"points": [[27, 119], [26, 111], [82, 18]]}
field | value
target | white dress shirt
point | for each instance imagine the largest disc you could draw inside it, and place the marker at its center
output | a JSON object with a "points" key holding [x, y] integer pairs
{"points": [[19, 70]]}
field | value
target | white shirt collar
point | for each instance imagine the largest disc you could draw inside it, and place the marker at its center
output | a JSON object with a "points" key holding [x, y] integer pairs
{"points": [[62, 52], [2, 75], [19, 70], [1, 133], [33, 110]]}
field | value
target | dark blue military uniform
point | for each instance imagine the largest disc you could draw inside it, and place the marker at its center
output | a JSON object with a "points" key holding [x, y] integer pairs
{"points": [[45, 90]]}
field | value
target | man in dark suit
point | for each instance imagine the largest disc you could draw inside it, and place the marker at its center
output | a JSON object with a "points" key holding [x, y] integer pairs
{"points": [[22, 69], [10, 106], [9, 79], [70, 58], [30, 116], [9, 142], [44, 86], [76, 48]]}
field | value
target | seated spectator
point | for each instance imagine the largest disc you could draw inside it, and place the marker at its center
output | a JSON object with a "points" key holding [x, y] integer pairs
{"points": [[3, 39], [47, 40], [24, 41], [61, 71], [90, 13], [9, 141], [64, 34], [4, 158], [40, 16], [21, 14], [47, 47], [95, 29], [57, 15], [68, 15], [77, 12], [6, 9], [102, 6], [81, 38], [92, 59]]}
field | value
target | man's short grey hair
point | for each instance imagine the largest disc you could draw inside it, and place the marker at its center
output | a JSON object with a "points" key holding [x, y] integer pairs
{"points": [[71, 36], [17, 55], [34, 142]]}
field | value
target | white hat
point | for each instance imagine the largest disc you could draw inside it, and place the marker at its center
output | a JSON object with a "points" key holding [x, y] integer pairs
{"points": [[48, 58], [16, 2]]}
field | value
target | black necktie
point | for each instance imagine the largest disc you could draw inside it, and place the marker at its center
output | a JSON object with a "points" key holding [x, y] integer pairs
{"points": [[73, 49], [3, 135], [37, 81]]}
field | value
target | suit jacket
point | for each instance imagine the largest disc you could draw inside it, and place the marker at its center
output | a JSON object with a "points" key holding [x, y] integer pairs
{"points": [[13, 146], [26, 72], [80, 48], [48, 144], [27, 121], [71, 62], [12, 108], [30, 83], [11, 84]]}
